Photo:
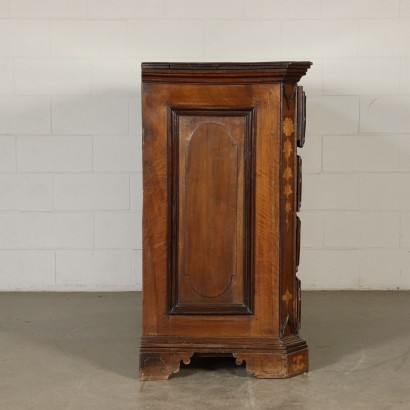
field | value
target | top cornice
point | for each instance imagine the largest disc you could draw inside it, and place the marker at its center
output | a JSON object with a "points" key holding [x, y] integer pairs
{"points": [[225, 73]]}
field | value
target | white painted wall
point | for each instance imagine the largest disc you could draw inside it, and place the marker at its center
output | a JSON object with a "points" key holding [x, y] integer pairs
{"points": [[70, 131]]}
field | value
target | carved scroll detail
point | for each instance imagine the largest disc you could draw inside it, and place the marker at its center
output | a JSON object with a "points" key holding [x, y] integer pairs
{"points": [[159, 366], [263, 366], [273, 365]]}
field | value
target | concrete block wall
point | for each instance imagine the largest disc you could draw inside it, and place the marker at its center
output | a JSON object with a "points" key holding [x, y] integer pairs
{"points": [[70, 131]]}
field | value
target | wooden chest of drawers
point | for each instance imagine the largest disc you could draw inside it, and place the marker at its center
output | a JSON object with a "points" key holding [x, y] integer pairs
{"points": [[221, 238]]}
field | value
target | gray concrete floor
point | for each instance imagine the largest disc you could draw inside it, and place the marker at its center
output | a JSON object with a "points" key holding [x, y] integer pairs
{"points": [[80, 351]]}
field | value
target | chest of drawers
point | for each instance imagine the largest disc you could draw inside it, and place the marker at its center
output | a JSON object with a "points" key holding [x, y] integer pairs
{"points": [[221, 236]]}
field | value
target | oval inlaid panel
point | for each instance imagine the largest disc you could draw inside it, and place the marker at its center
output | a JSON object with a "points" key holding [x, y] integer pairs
{"points": [[211, 188]]}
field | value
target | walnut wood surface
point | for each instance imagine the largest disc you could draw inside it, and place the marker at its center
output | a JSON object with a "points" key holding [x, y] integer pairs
{"points": [[220, 233]]}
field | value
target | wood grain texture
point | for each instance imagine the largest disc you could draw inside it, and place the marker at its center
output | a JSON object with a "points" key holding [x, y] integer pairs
{"points": [[211, 205], [222, 185], [155, 205]]}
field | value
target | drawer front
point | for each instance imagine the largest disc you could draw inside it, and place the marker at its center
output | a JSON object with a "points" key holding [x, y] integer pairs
{"points": [[298, 231], [299, 183], [298, 305], [301, 116]]}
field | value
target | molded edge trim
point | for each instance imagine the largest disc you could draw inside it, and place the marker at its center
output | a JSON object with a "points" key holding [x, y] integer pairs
{"points": [[236, 73]]}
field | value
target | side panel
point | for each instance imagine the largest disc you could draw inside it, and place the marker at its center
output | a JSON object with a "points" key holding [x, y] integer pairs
{"points": [[211, 280]]}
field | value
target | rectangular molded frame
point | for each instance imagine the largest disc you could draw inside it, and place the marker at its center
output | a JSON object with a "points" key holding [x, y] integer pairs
{"points": [[246, 307]]}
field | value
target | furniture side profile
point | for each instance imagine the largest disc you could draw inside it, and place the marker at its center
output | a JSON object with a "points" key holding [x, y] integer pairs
{"points": [[222, 185]]}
